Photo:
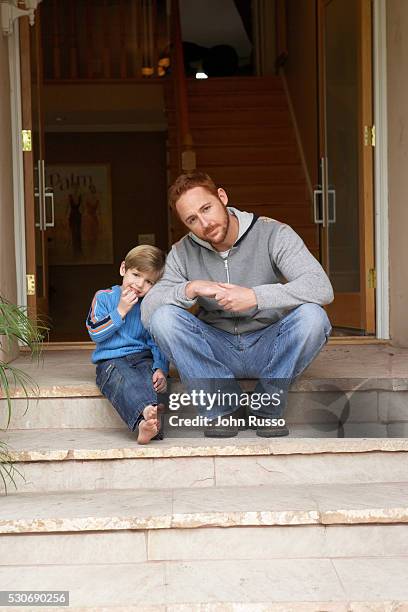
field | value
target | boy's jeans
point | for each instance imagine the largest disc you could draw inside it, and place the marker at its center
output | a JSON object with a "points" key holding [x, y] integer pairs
{"points": [[208, 358], [127, 383]]}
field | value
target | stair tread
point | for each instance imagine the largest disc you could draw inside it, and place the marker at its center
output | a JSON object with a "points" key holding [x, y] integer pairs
{"points": [[191, 507], [70, 373], [265, 585], [105, 444]]}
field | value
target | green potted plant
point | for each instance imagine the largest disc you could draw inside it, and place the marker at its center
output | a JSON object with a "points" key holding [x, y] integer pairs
{"points": [[15, 328]]}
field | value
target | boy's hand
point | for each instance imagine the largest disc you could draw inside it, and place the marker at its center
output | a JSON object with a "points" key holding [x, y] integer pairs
{"points": [[159, 381], [127, 300]]}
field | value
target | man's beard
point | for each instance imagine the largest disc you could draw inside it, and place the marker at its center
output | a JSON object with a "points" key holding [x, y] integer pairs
{"points": [[224, 227]]}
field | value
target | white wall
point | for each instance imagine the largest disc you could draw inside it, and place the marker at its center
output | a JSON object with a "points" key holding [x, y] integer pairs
{"points": [[397, 82]]}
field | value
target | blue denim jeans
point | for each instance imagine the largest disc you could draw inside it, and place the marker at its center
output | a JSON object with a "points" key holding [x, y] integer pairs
{"points": [[127, 383], [207, 357]]}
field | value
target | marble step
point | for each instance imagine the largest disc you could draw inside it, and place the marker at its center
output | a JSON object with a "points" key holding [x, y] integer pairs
{"points": [[217, 543], [325, 408], [70, 373], [104, 443], [88, 460], [298, 606], [190, 508], [285, 585]]}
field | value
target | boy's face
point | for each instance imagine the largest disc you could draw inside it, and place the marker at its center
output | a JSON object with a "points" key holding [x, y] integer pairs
{"points": [[139, 282]]}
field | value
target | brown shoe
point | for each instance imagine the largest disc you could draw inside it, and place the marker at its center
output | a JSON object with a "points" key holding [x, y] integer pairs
{"points": [[229, 430], [272, 432], [241, 414], [220, 431], [268, 430]]}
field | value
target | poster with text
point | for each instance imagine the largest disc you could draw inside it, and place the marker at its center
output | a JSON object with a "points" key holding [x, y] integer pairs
{"points": [[83, 214]]}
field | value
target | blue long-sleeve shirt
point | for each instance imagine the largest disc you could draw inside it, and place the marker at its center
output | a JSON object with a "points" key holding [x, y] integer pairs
{"points": [[117, 337]]}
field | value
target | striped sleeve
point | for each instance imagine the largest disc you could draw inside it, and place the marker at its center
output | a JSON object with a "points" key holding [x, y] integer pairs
{"points": [[103, 320]]}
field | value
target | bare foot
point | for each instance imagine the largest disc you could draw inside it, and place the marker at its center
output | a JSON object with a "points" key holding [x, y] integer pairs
{"points": [[147, 431], [150, 412]]}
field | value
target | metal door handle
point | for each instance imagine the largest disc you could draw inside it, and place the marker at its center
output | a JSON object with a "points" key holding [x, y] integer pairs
{"points": [[323, 167], [332, 192], [49, 193], [43, 224], [41, 190], [37, 195], [316, 193]]}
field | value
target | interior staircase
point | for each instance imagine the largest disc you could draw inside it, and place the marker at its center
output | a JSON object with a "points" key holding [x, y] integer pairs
{"points": [[244, 138], [309, 522]]}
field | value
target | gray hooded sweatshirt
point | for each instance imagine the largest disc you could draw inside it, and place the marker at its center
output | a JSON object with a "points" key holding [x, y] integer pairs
{"points": [[268, 257]]}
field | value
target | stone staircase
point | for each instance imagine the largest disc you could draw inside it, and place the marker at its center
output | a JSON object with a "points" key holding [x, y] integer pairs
{"points": [[309, 522]]}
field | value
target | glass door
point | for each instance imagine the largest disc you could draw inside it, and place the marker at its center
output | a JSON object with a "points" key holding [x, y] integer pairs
{"points": [[343, 201], [39, 202]]}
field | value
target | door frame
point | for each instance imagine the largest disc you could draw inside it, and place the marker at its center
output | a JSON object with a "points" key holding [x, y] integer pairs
{"points": [[351, 309], [380, 168], [33, 161], [18, 164]]}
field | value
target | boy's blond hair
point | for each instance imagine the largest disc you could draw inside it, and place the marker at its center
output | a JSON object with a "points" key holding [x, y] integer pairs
{"points": [[146, 258]]}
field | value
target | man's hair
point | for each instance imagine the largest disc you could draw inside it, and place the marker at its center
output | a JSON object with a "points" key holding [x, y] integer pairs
{"points": [[185, 182], [145, 258]]}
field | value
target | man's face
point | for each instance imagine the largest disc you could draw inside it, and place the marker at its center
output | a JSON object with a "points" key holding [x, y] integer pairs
{"points": [[205, 214]]}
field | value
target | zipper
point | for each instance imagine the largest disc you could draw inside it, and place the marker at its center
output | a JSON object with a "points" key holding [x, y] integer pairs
{"points": [[226, 269], [228, 281]]}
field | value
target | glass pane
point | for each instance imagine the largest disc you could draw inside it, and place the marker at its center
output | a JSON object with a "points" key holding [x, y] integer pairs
{"points": [[342, 104], [37, 155], [217, 37]]}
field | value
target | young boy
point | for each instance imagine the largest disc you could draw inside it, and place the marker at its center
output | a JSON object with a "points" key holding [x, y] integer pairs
{"points": [[130, 369]]}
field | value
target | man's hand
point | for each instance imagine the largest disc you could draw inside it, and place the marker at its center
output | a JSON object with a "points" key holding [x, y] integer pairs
{"points": [[201, 288], [234, 297], [127, 300], [159, 381]]}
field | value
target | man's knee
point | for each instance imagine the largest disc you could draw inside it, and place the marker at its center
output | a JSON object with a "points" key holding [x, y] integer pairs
{"points": [[171, 322], [163, 319], [315, 324]]}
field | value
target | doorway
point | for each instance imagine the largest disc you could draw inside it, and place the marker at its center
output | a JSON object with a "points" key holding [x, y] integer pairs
{"points": [[342, 170], [95, 180], [344, 199]]}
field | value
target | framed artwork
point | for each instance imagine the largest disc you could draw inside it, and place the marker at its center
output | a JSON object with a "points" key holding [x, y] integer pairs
{"points": [[82, 233]]}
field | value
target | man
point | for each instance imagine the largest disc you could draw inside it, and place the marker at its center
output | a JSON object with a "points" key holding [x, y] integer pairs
{"points": [[260, 294]]}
